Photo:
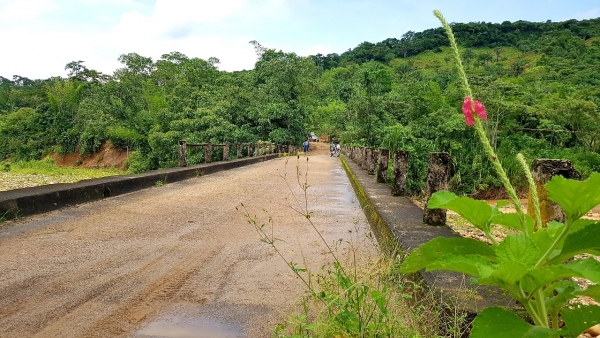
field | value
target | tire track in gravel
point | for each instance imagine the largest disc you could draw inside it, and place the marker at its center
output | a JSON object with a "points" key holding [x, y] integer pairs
{"points": [[107, 268]]}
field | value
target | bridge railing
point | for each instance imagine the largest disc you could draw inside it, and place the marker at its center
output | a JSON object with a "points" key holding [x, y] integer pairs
{"points": [[439, 174], [252, 149]]}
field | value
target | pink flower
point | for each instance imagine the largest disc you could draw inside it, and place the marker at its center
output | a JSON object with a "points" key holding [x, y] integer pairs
{"points": [[467, 108]]}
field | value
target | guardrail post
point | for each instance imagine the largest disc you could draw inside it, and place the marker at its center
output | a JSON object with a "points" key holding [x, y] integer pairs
{"points": [[372, 161], [182, 154], [439, 172], [366, 154], [226, 152], [399, 172], [382, 165], [264, 146], [542, 171], [208, 152], [239, 150]]}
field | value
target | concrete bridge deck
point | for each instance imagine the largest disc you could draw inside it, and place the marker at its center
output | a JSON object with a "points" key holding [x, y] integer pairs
{"points": [[171, 259]]}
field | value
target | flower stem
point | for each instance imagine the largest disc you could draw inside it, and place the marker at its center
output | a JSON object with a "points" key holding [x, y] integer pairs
{"points": [[541, 306], [532, 190], [479, 127]]}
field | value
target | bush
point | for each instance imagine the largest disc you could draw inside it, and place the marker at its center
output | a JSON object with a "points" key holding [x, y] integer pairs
{"points": [[122, 137], [138, 163], [165, 147]]}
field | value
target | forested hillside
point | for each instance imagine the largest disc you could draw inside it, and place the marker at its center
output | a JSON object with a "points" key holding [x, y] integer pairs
{"points": [[540, 83]]}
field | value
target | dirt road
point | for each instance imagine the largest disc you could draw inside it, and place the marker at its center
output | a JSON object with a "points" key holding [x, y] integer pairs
{"points": [[175, 260]]}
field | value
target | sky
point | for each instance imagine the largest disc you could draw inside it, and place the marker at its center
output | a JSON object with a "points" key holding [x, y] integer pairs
{"points": [[39, 37]]}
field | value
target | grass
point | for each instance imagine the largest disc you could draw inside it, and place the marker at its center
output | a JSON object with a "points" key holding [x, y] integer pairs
{"points": [[374, 301], [16, 175], [353, 296]]}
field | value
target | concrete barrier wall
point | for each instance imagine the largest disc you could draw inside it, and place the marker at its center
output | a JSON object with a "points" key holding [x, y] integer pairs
{"points": [[30, 201], [398, 226]]}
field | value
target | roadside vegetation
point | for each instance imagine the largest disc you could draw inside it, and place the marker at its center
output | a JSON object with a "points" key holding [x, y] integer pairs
{"points": [[541, 98], [360, 292], [15, 175], [400, 93]]}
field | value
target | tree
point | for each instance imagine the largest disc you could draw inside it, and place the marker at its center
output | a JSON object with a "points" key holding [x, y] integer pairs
{"points": [[286, 87]]}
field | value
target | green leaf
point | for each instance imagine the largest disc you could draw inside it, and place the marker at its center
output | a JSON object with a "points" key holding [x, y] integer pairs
{"points": [[349, 320], [585, 240], [513, 221], [440, 198], [575, 197], [438, 247], [563, 291], [549, 274], [476, 212], [505, 275], [379, 299], [518, 248], [579, 319], [544, 237], [497, 322], [468, 264], [510, 273], [593, 291], [588, 268], [502, 203]]}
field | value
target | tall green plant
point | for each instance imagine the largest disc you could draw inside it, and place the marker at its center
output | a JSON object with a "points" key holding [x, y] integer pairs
{"points": [[534, 265]]}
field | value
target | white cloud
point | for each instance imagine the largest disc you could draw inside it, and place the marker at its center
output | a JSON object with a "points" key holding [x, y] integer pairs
{"points": [[200, 28], [17, 10], [316, 49], [590, 14], [169, 12]]}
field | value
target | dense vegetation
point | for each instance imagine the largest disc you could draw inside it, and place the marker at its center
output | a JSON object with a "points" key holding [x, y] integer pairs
{"points": [[540, 83]]}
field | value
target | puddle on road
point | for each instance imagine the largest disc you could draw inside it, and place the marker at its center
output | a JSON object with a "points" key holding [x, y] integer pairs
{"points": [[182, 327]]}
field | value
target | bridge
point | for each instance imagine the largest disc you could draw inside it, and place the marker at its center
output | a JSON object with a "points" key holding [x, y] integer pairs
{"points": [[176, 257]]}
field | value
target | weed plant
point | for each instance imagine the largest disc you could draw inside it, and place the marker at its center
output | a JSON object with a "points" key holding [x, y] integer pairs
{"points": [[350, 298]]}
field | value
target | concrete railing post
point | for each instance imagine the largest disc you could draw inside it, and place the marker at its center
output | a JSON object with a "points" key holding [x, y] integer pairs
{"points": [[226, 152], [399, 173], [366, 154], [208, 153], [257, 149], [382, 165], [372, 161], [542, 171], [264, 146], [182, 154], [439, 172], [238, 147]]}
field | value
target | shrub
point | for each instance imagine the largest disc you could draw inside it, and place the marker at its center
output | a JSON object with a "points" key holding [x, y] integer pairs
{"points": [[138, 163]]}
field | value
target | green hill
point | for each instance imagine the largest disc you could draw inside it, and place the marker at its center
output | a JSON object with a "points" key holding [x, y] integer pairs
{"points": [[540, 83]]}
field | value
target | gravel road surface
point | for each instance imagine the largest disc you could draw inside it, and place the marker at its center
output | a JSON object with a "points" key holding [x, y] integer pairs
{"points": [[176, 260]]}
